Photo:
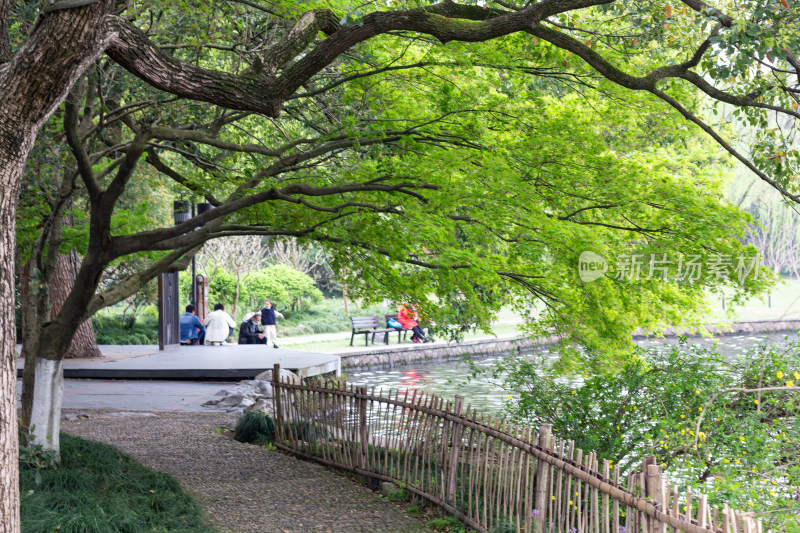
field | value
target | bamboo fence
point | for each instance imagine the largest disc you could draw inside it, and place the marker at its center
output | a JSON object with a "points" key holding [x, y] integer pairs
{"points": [[487, 473]]}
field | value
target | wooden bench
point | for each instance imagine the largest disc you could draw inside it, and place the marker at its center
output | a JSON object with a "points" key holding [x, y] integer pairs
{"points": [[399, 331], [369, 325]]}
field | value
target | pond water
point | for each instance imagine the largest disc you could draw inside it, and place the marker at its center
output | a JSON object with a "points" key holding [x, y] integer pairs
{"points": [[446, 379]]}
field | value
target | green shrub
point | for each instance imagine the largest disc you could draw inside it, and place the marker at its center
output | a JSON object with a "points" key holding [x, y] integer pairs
{"points": [[255, 427], [446, 524], [327, 316], [34, 456], [504, 526], [303, 430], [97, 489], [111, 329]]}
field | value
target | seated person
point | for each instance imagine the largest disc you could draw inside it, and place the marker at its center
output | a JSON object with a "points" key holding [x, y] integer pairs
{"points": [[250, 330], [220, 325], [408, 318], [192, 330]]}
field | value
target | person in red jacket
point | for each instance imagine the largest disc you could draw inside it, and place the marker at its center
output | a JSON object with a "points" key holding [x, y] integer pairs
{"points": [[409, 319]]}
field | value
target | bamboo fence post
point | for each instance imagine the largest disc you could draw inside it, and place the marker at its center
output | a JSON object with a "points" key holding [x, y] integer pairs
{"points": [[276, 394], [726, 519], [558, 493], [606, 477], [655, 492], [595, 498], [362, 426], [545, 430], [615, 510], [702, 510], [688, 511], [455, 448], [527, 489], [578, 497]]}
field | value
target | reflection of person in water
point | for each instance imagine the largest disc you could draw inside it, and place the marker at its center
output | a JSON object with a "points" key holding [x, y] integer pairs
{"points": [[409, 319], [411, 379]]}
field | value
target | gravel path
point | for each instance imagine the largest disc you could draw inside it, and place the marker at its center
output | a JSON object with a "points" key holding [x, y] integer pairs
{"points": [[244, 488]]}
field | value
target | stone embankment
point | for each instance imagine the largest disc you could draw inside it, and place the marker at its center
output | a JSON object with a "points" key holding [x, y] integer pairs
{"points": [[383, 356]]}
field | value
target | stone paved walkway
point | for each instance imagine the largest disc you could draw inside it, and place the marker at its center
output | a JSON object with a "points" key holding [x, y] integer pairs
{"points": [[244, 488]]}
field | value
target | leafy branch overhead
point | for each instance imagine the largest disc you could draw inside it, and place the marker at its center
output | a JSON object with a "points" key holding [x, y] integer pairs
{"points": [[476, 164]]}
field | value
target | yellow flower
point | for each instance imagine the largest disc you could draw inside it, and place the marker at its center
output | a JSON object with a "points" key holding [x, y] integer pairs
{"points": [[683, 432], [796, 375], [683, 416], [779, 374], [509, 397], [726, 461], [790, 383], [755, 402], [697, 391], [701, 435], [554, 497], [699, 408], [736, 462], [741, 438]]}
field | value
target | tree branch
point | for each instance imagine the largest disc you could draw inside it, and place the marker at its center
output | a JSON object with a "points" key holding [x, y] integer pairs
{"points": [[5, 43], [76, 146], [176, 260]]}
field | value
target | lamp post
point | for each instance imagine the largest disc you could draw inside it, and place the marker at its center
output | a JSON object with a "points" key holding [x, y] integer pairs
{"points": [[183, 210]]}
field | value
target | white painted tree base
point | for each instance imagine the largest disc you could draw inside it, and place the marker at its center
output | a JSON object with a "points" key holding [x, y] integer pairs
{"points": [[48, 394]]}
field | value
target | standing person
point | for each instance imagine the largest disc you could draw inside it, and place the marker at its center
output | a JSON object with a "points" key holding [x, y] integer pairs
{"points": [[268, 314], [219, 325], [408, 318], [192, 330], [250, 331]]}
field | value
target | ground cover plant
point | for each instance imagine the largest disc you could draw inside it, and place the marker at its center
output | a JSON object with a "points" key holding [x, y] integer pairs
{"points": [[97, 489], [727, 426], [112, 329]]}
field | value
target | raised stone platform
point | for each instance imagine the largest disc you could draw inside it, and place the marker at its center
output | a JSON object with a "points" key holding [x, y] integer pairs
{"points": [[211, 363]]}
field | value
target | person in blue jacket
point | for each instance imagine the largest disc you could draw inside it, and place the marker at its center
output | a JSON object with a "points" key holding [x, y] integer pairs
{"points": [[192, 330], [268, 314]]}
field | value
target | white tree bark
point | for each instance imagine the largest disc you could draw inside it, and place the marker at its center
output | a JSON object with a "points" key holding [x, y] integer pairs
{"points": [[48, 394]]}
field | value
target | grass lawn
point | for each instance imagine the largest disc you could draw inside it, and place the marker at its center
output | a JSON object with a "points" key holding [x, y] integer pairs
{"points": [[97, 489]]}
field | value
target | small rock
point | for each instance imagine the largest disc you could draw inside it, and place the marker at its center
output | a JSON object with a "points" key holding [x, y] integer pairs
{"points": [[246, 402], [285, 375], [262, 405], [223, 392], [232, 400]]}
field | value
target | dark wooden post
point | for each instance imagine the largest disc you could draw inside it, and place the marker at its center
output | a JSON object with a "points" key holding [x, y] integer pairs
{"points": [[455, 448], [169, 333], [542, 473], [278, 403], [362, 426]]}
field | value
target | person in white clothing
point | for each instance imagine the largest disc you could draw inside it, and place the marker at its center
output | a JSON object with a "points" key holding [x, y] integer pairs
{"points": [[219, 325]]}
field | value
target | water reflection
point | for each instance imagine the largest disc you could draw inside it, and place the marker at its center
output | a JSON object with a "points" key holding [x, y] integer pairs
{"points": [[446, 379]]}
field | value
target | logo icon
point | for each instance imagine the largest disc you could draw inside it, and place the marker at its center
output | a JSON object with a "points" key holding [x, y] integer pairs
{"points": [[591, 266]]}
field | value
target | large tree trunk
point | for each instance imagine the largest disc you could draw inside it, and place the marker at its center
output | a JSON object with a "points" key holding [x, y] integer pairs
{"points": [[84, 343], [32, 85], [10, 171]]}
